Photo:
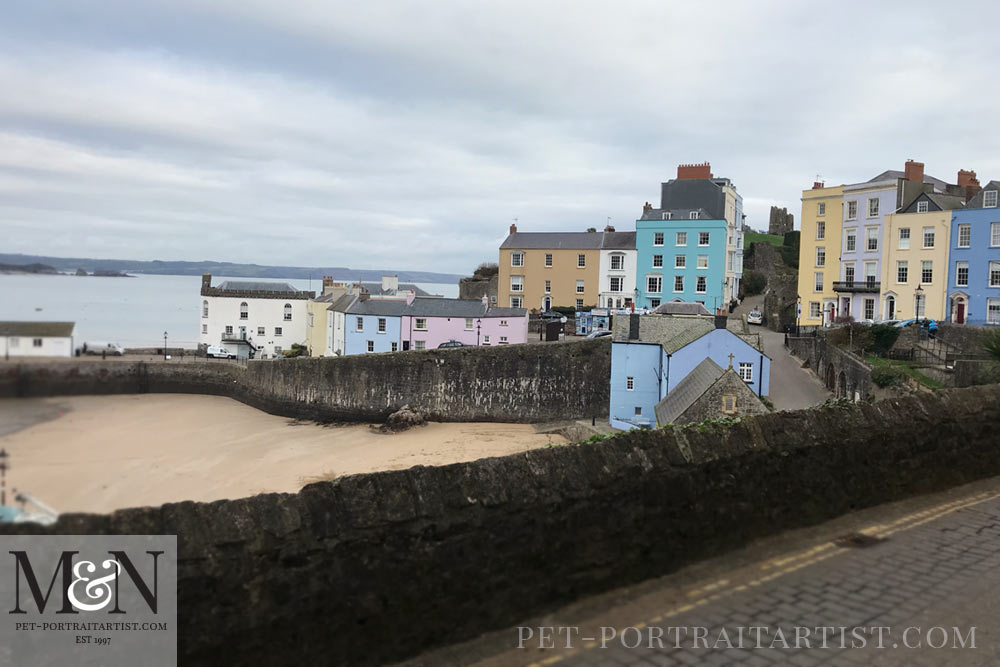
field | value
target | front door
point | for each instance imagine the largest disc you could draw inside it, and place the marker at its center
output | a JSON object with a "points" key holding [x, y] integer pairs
{"points": [[890, 308], [960, 312], [406, 345], [243, 333], [546, 304]]}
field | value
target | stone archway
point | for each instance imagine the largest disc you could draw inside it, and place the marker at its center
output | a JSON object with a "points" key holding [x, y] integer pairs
{"points": [[830, 378], [842, 385]]}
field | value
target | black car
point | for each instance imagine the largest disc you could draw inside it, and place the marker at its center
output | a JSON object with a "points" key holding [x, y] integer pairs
{"points": [[452, 343]]}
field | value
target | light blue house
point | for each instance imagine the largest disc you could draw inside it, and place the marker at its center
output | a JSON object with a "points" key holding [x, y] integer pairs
{"points": [[652, 354], [681, 256], [974, 260]]}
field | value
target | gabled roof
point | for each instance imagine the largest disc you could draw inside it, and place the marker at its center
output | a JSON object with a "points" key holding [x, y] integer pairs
{"points": [[677, 214], [687, 391], [39, 329], [255, 286], [938, 202], [618, 241], [421, 307], [554, 240], [376, 288], [672, 332], [682, 308], [977, 201], [893, 174]]}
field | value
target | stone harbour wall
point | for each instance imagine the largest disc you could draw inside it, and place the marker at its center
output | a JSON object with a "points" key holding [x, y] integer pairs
{"points": [[373, 568]]}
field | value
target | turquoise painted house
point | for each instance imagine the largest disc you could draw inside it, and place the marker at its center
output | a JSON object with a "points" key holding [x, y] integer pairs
{"points": [[681, 256]]}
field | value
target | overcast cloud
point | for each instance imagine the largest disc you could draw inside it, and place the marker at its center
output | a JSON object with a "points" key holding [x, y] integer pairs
{"points": [[409, 135]]}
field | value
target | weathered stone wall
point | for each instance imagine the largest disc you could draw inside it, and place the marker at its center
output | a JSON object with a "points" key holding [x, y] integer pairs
{"points": [[515, 383], [709, 404], [373, 568], [780, 221], [967, 339], [843, 373], [477, 288]]}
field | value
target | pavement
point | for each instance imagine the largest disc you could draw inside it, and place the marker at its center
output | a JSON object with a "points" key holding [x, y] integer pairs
{"points": [[915, 582], [792, 387]]}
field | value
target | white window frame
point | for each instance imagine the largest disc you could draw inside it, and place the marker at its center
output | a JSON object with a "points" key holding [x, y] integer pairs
{"points": [[708, 239], [517, 283], [873, 207], [818, 281], [851, 240], [849, 272], [630, 383], [360, 324], [993, 277], [693, 215], [992, 311], [820, 208], [657, 261], [261, 331], [923, 206], [926, 265], [579, 304], [659, 284], [204, 328], [681, 239], [902, 270], [990, 198], [420, 324], [820, 257], [381, 325], [964, 236], [580, 289], [548, 287], [516, 301], [581, 261], [928, 232], [701, 285], [371, 346], [961, 267], [680, 261], [868, 308], [995, 234], [815, 310], [244, 310], [668, 215], [288, 312], [746, 371], [702, 261], [852, 209], [469, 322], [658, 239], [621, 283], [904, 238], [618, 259], [548, 260], [419, 345], [871, 238], [229, 329], [517, 259], [678, 280], [820, 230], [278, 331]]}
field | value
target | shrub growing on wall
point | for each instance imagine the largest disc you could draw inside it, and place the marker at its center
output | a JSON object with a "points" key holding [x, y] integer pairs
{"points": [[753, 283], [887, 376], [883, 338]]}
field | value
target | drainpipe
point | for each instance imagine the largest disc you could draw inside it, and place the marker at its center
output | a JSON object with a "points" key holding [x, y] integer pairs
{"points": [[668, 372], [760, 378]]}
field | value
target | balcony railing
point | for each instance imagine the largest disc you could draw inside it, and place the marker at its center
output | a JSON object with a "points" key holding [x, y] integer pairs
{"points": [[863, 286]]}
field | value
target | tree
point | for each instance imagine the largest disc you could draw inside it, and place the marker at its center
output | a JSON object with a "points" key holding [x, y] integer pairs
{"points": [[991, 344], [591, 229], [486, 270]]}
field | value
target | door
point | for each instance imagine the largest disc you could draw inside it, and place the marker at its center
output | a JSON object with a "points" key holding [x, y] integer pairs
{"points": [[890, 308], [546, 304], [243, 333], [406, 345], [960, 312]]}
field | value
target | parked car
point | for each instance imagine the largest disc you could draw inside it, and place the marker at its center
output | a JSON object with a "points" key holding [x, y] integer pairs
{"points": [[921, 320], [600, 333], [218, 352], [553, 317], [451, 343], [111, 349], [755, 317]]}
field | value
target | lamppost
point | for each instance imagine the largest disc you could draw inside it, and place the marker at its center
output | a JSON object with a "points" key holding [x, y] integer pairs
{"points": [[479, 328], [4, 466], [164, 345], [798, 312], [918, 296]]}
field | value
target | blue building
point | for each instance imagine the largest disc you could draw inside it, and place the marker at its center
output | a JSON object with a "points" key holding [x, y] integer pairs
{"points": [[974, 260], [652, 354], [681, 256]]}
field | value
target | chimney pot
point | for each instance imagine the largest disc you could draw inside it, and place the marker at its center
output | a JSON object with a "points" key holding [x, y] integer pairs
{"points": [[691, 171], [513, 229]]}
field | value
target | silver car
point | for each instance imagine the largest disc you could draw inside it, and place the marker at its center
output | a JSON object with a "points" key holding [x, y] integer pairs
{"points": [[755, 317]]}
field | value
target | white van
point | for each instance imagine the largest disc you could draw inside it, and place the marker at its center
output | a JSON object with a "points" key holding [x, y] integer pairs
{"points": [[217, 352], [110, 349]]}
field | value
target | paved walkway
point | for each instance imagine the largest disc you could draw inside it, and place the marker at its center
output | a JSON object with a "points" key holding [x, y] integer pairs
{"points": [[921, 587]]}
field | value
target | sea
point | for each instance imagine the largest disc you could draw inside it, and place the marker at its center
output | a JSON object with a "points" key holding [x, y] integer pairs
{"points": [[134, 312]]}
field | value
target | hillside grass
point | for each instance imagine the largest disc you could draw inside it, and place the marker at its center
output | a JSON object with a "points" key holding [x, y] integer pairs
{"points": [[756, 237], [907, 367]]}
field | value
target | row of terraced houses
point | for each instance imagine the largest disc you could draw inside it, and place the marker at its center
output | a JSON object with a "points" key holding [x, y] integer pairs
{"points": [[901, 245]]}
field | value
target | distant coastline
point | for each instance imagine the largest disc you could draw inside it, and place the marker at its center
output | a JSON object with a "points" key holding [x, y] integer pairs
{"points": [[46, 270], [119, 267]]}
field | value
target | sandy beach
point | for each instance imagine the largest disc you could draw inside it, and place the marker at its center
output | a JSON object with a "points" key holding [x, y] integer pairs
{"points": [[100, 453]]}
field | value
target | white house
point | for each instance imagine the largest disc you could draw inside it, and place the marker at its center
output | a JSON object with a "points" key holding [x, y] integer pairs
{"points": [[251, 315], [36, 339], [616, 269]]}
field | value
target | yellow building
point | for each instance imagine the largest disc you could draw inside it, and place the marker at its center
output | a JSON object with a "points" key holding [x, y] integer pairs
{"points": [[542, 270], [916, 255], [819, 253]]}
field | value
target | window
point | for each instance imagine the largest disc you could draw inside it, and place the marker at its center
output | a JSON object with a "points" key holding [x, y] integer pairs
{"points": [[852, 210], [821, 208], [204, 328], [503, 340], [579, 304], [729, 404], [962, 274], [579, 287], [873, 207], [678, 283], [990, 199], [657, 261], [288, 312], [371, 346], [36, 342], [701, 286], [381, 325], [278, 350], [681, 239], [638, 411], [851, 240], [902, 271], [581, 261], [243, 310], [820, 256], [517, 259], [849, 273], [992, 311], [361, 324], [703, 238], [548, 259], [869, 309], [654, 284], [503, 323], [926, 271], [420, 324], [964, 236], [904, 238], [746, 371], [995, 234], [486, 340], [493, 298], [871, 239], [617, 262], [548, 287], [818, 282], [654, 303], [680, 261], [994, 274], [260, 331], [820, 230], [394, 346], [468, 324], [814, 310], [616, 283], [277, 331], [658, 238], [419, 345], [309, 318], [702, 261], [516, 301], [517, 283], [928, 237], [922, 206], [666, 216], [204, 308], [693, 215], [870, 277], [229, 329], [630, 383]]}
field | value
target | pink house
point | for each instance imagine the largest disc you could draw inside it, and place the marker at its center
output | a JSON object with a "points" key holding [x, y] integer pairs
{"points": [[429, 322]]}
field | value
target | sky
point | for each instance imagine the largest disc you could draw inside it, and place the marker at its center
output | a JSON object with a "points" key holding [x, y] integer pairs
{"points": [[409, 135]]}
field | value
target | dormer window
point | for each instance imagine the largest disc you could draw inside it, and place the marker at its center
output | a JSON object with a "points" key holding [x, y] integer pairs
{"points": [[693, 215], [922, 206], [990, 199], [668, 215]]}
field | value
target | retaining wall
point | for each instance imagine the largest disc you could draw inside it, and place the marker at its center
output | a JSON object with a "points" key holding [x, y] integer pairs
{"points": [[843, 373]]}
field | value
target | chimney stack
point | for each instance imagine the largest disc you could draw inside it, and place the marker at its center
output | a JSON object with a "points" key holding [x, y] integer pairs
{"points": [[390, 283], [690, 171], [720, 321], [914, 171], [818, 185], [513, 229], [609, 228], [633, 326], [969, 183], [327, 284], [206, 282]]}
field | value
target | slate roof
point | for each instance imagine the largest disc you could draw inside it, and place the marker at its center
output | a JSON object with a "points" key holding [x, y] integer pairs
{"points": [[421, 307], [37, 329], [977, 201], [687, 391], [255, 286], [892, 174], [554, 240], [376, 288], [941, 202], [677, 214], [618, 241], [682, 308], [673, 332]]}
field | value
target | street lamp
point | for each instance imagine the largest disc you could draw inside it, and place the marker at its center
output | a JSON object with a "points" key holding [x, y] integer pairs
{"points": [[798, 312], [918, 297], [164, 345], [4, 467], [479, 328]]}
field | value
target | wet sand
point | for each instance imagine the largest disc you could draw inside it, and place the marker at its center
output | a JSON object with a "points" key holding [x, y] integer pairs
{"points": [[100, 453]]}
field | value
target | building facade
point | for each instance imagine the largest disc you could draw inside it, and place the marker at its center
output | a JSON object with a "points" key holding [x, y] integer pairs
{"points": [[819, 265], [914, 275], [974, 261], [36, 339], [542, 270], [681, 257], [616, 269]]}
